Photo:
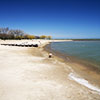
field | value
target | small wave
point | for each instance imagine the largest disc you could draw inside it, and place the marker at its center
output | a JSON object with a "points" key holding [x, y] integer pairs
{"points": [[84, 82]]}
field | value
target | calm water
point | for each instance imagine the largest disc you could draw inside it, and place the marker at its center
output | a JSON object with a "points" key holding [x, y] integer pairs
{"points": [[88, 50]]}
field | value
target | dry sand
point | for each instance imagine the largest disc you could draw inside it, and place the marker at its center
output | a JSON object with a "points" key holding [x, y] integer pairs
{"points": [[28, 74]]}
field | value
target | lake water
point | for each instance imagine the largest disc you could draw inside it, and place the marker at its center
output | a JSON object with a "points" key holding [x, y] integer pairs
{"points": [[86, 50]]}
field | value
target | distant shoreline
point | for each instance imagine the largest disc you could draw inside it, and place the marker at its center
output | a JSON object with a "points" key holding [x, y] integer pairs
{"points": [[59, 39], [81, 39], [86, 39]]}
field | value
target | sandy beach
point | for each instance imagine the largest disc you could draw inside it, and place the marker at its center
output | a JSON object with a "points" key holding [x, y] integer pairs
{"points": [[26, 73]]}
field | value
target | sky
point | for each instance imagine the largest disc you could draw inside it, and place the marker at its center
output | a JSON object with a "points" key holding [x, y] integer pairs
{"points": [[58, 18]]}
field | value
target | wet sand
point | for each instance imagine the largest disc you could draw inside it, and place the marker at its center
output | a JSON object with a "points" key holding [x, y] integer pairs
{"points": [[81, 68], [28, 74]]}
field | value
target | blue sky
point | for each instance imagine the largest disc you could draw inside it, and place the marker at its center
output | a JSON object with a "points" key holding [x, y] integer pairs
{"points": [[58, 18]]}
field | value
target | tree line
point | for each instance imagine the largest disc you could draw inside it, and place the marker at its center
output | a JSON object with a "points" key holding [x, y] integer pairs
{"points": [[6, 33]]}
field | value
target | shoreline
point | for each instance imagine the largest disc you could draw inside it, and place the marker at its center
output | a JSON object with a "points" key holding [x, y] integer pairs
{"points": [[84, 71], [28, 74], [72, 59]]}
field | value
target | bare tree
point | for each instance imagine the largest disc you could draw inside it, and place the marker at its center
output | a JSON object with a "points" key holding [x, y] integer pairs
{"points": [[4, 30], [5, 33]]}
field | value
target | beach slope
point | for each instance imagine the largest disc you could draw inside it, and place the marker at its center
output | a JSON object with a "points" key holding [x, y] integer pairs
{"points": [[28, 74]]}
